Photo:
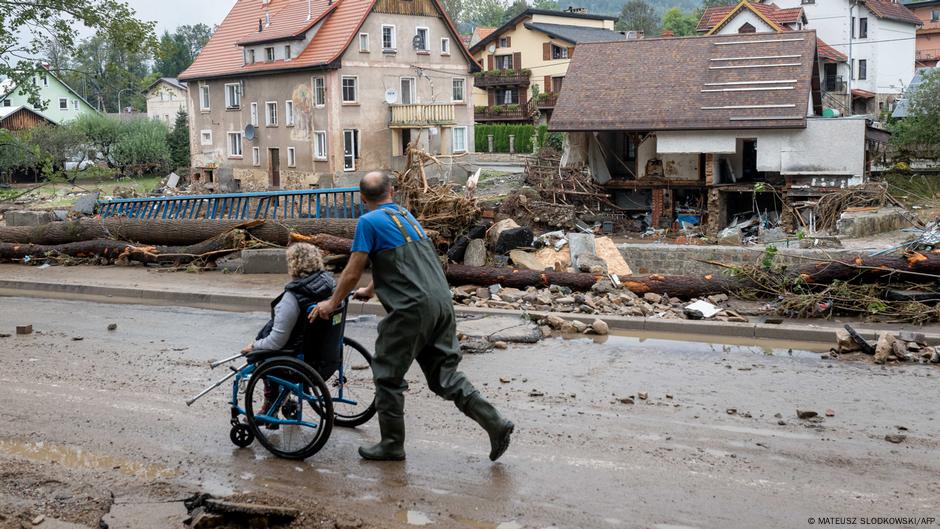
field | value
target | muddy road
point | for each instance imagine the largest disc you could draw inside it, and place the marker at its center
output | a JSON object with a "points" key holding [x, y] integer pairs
{"points": [[94, 421]]}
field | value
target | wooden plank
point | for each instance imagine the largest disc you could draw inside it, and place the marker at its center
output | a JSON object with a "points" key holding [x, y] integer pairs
{"points": [[407, 7]]}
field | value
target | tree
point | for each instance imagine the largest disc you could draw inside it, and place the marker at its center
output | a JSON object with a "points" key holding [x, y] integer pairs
{"points": [[681, 24], [111, 72], [551, 5], [141, 146], [638, 15], [486, 13], [515, 9], [178, 141], [920, 130], [28, 27], [177, 50]]}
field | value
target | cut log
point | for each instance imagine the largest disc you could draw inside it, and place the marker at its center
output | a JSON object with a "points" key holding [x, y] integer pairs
{"points": [[218, 246], [911, 266], [172, 232], [328, 243], [513, 278]]}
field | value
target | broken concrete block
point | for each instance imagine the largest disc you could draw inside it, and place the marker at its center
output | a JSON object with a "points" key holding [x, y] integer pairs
{"points": [[580, 244], [526, 260], [476, 253], [85, 204], [559, 260], [28, 218], [605, 248], [885, 347], [24, 329], [911, 336], [592, 264], [264, 261], [845, 342]]}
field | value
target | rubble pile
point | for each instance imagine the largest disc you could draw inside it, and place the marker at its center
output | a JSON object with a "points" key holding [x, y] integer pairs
{"points": [[438, 207], [604, 299], [890, 348]]}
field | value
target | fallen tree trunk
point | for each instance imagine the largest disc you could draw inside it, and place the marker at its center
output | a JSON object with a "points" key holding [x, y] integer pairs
{"points": [[123, 252], [913, 266], [171, 232], [328, 243], [508, 277]]}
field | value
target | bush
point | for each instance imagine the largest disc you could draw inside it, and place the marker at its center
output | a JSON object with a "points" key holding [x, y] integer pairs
{"points": [[178, 142], [501, 132], [142, 147]]}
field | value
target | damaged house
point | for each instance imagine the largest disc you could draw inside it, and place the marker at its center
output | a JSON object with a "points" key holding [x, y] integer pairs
{"points": [[709, 129]]}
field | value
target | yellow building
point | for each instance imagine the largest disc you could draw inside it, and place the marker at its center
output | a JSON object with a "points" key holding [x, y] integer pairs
{"points": [[525, 60]]}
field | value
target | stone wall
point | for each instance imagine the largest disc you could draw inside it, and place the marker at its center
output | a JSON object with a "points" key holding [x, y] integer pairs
{"points": [[676, 259], [864, 224]]}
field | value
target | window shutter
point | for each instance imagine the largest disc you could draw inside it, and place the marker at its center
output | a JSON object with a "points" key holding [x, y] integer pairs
{"points": [[547, 84], [571, 52], [489, 62], [491, 97], [546, 51], [517, 60], [508, 42]]}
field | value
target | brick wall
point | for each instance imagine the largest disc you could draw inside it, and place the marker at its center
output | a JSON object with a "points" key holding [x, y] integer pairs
{"points": [[674, 259]]}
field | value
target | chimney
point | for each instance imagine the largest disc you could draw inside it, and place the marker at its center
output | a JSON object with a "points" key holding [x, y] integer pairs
{"points": [[309, 9]]}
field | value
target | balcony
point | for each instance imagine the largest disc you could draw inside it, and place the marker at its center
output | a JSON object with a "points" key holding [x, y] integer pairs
{"points": [[422, 116], [494, 78], [927, 55], [834, 85], [521, 112], [546, 101]]}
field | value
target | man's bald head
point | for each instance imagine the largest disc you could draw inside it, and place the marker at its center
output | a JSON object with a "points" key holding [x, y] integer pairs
{"points": [[375, 186]]}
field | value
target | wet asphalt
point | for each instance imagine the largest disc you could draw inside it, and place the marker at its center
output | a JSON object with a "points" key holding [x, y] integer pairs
{"points": [[705, 449]]}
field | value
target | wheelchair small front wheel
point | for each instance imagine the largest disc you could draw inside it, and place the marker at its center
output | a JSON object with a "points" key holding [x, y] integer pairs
{"points": [[241, 435], [286, 393]]}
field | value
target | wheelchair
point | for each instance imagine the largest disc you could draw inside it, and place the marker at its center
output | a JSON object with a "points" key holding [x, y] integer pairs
{"points": [[327, 383]]}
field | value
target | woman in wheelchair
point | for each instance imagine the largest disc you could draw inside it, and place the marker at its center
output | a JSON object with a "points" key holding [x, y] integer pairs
{"points": [[310, 284]]}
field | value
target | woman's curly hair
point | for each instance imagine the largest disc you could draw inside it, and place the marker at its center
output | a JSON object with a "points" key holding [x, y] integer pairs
{"points": [[303, 259]]}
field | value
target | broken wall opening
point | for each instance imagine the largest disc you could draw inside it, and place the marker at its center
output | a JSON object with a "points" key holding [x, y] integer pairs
{"points": [[742, 205]]}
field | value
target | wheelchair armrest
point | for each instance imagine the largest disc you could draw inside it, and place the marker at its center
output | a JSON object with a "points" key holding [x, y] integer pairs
{"points": [[261, 355]]}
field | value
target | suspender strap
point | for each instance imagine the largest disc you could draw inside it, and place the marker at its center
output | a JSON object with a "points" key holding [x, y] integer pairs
{"points": [[398, 223], [414, 225]]}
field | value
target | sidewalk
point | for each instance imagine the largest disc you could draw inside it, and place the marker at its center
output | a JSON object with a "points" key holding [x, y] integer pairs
{"points": [[250, 293]]}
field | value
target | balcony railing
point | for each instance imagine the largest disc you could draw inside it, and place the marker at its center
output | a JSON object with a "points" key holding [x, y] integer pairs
{"points": [[418, 116], [927, 54], [520, 112], [834, 84], [501, 78], [546, 100]]}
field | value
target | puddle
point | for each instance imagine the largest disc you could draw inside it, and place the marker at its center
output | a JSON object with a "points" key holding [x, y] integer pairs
{"points": [[413, 518], [77, 458], [682, 343]]}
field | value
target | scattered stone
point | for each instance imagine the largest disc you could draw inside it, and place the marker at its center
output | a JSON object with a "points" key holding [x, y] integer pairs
{"points": [[77, 338], [830, 413], [895, 438], [536, 393], [568, 328], [778, 415], [845, 343], [731, 411], [781, 422], [500, 345], [476, 253], [642, 395], [626, 400], [24, 329], [718, 298], [511, 295], [669, 396], [592, 264], [579, 326], [271, 512], [652, 297], [483, 293], [5, 335], [806, 414], [526, 260], [505, 380], [911, 336], [112, 326], [600, 327], [513, 238], [566, 300], [554, 321], [885, 347], [476, 346], [38, 520]]}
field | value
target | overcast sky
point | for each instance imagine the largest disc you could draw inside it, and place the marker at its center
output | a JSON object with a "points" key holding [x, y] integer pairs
{"points": [[168, 14]]}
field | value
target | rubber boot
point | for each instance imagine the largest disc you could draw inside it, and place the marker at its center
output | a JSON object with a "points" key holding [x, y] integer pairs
{"points": [[392, 445], [498, 428], [270, 394]]}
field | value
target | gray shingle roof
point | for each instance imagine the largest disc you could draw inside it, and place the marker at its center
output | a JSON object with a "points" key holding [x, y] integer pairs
{"points": [[575, 34]]}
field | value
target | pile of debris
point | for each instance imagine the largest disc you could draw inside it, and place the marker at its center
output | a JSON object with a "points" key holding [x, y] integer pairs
{"points": [[901, 347], [439, 208], [604, 299]]}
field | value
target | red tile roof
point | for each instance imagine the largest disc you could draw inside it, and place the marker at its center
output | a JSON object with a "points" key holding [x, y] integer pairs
{"points": [[829, 54], [484, 32], [714, 15], [223, 56], [892, 11]]}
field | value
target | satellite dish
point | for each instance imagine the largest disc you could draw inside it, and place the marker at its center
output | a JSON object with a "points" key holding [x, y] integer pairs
{"points": [[249, 132], [491, 48], [391, 96]]}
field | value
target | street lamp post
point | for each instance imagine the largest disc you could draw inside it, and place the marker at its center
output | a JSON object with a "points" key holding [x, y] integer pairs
{"points": [[120, 108]]}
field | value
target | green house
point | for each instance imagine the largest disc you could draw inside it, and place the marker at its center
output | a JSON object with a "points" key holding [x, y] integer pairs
{"points": [[63, 103]]}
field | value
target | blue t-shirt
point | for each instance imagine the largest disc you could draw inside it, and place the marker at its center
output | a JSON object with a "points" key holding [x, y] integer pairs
{"points": [[377, 232]]}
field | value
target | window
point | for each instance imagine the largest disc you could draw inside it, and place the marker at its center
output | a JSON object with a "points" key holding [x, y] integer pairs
{"points": [[234, 144], [407, 90], [934, 15], [504, 42], [853, 27], [289, 113], [250, 57], [862, 69], [256, 156], [7, 103], [291, 157], [350, 90], [445, 46], [319, 91], [319, 145], [460, 139], [504, 62], [806, 2], [388, 37], [863, 28], [350, 149], [254, 114], [509, 96], [364, 42], [422, 42], [205, 137], [45, 80], [63, 103], [204, 97], [459, 87], [287, 53], [270, 114], [75, 104], [747, 27], [269, 54], [559, 52], [162, 95], [233, 96]]}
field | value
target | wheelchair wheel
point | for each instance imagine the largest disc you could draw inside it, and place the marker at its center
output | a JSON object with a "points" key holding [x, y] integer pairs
{"points": [[301, 416], [356, 404], [241, 435]]}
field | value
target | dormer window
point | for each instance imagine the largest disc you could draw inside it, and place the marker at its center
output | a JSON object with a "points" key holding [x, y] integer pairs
{"points": [[269, 54], [287, 53], [249, 56]]}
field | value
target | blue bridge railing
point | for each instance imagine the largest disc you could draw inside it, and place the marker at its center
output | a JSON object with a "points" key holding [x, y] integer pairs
{"points": [[335, 203]]}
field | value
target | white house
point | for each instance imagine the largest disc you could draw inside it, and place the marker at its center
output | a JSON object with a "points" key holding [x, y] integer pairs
{"points": [[878, 37], [165, 98]]}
